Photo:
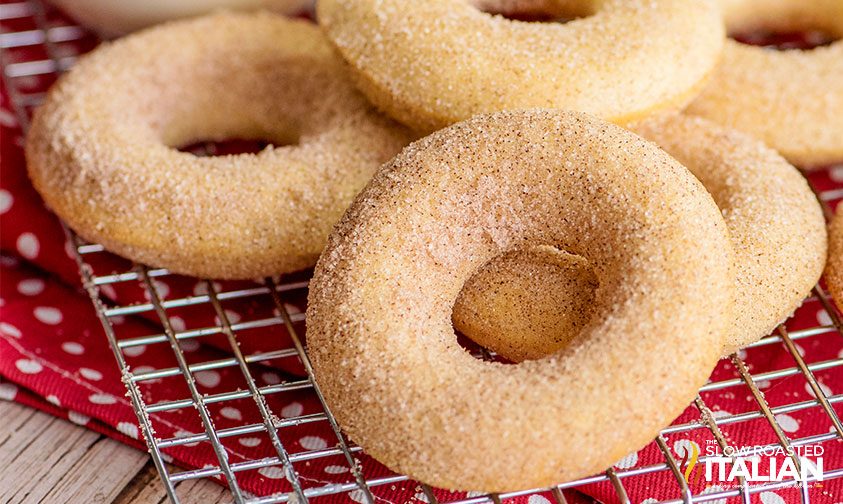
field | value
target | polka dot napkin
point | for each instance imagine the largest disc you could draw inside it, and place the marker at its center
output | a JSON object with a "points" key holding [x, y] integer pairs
{"points": [[55, 357]]}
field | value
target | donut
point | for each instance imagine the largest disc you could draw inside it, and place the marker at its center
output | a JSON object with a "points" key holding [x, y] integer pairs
{"points": [[379, 308], [834, 268], [432, 63], [111, 18], [527, 303], [101, 148], [775, 222], [793, 99]]}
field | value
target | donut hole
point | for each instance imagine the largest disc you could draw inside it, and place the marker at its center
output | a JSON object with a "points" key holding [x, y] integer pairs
{"points": [[785, 40], [535, 11], [526, 304], [229, 147]]}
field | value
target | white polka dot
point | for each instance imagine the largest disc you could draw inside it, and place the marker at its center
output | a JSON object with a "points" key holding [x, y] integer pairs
{"points": [[28, 366], [6, 201], [31, 286], [73, 348], [313, 443], [628, 461], [189, 345], [771, 498], [201, 288], [90, 374], [208, 379], [272, 472], [683, 446], [78, 418], [48, 315], [825, 388], [537, 499], [358, 496], [134, 351], [651, 500], [823, 318], [178, 325], [249, 442], [420, 496], [128, 429], [721, 413], [231, 413], [162, 289], [836, 174], [291, 410], [271, 378], [183, 434], [28, 245], [102, 398], [53, 400], [335, 469], [9, 261], [7, 119], [233, 318], [763, 384], [109, 292], [7, 328], [787, 422], [714, 489], [8, 391]]}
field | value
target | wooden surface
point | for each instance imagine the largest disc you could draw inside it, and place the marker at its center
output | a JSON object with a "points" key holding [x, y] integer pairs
{"points": [[46, 460]]}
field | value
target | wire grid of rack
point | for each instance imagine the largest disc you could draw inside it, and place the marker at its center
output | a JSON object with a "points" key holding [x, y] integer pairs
{"points": [[273, 292]]}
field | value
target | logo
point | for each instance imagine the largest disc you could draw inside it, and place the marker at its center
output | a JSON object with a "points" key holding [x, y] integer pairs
{"points": [[751, 463]]}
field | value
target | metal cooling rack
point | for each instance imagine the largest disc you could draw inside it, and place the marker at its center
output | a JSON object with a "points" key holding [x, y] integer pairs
{"points": [[57, 38]]}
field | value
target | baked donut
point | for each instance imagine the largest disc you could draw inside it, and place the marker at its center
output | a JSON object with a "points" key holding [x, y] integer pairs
{"points": [[793, 100], [775, 222], [379, 314], [429, 64], [834, 268], [111, 18], [101, 148], [527, 303]]}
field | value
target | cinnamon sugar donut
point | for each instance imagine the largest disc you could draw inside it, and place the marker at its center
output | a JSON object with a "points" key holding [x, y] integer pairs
{"points": [[110, 18], [432, 63], [793, 100], [100, 150], [774, 219], [379, 313], [834, 268]]}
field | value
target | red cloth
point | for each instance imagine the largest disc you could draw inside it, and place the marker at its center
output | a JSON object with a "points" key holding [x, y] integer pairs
{"points": [[54, 356]]}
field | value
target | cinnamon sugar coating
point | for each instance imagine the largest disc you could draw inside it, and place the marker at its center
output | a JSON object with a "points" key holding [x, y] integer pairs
{"points": [[101, 148], [432, 63], [775, 223], [792, 100], [834, 268], [379, 314]]}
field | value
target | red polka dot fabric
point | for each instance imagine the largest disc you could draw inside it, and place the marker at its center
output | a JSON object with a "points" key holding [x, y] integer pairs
{"points": [[55, 356]]}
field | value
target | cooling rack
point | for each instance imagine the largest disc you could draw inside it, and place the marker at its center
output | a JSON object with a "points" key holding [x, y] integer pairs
{"points": [[59, 41]]}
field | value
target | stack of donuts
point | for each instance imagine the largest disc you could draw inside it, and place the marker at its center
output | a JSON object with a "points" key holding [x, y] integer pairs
{"points": [[587, 188]]}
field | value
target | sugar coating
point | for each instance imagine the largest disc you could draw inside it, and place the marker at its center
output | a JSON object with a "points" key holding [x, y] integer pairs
{"points": [[775, 222], [432, 63], [379, 314], [111, 18], [834, 268], [527, 303], [99, 150], [792, 100]]}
